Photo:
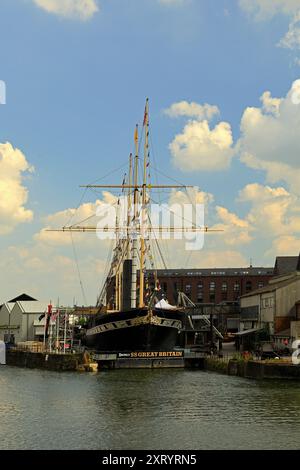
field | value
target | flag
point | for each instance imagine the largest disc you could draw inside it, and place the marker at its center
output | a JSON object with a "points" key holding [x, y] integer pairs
{"points": [[145, 117], [136, 135]]}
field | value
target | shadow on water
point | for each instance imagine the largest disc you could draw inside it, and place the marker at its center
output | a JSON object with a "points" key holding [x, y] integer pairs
{"points": [[151, 409]]}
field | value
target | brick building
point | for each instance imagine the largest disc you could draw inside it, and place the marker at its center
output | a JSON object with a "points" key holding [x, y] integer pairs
{"points": [[212, 285]]}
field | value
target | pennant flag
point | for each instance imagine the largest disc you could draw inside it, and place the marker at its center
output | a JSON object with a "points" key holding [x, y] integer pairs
{"points": [[145, 116]]}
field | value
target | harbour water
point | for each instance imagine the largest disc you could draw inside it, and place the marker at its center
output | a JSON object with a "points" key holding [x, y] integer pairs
{"points": [[145, 409]]}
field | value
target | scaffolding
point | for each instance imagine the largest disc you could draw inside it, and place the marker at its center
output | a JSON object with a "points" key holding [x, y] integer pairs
{"points": [[59, 338]]}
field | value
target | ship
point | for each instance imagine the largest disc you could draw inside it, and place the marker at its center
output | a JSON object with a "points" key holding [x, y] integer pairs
{"points": [[133, 312]]}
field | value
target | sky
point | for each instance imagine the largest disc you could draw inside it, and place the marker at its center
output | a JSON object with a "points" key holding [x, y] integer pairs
{"points": [[223, 81]]}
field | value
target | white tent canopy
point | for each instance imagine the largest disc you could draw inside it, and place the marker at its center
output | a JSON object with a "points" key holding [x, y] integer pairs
{"points": [[163, 304]]}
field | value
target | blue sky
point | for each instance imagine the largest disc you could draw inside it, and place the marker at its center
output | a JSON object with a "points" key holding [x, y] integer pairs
{"points": [[76, 87]]}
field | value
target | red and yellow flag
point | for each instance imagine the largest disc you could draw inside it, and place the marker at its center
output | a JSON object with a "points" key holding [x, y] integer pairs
{"points": [[136, 135]]}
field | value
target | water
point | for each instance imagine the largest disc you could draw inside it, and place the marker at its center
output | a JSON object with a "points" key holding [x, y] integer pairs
{"points": [[145, 409]]}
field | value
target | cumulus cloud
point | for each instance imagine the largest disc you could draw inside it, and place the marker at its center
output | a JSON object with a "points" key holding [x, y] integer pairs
{"points": [[292, 38], [287, 245], [192, 110], [85, 214], [14, 195], [274, 211], [266, 9], [275, 171], [270, 137], [191, 196], [200, 148], [49, 272], [270, 104], [236, 230], [73, 9]]}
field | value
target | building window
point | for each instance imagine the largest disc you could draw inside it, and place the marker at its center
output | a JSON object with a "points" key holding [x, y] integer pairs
{"points": [[188, 289], [200, 296], [224, 296], [248, 286], [212, 297], [260, 285], [212, 286], [224, 287], [236, 287], [268, 302]]}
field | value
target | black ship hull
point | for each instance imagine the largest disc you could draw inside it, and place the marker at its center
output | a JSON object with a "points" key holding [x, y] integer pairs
{"points": [[135, 330]]}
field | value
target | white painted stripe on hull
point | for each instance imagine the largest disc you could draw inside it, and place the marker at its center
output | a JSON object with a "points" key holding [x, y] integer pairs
{"points": [[145, 320]]}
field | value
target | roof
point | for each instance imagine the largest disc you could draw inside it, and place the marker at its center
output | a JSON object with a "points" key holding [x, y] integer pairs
{"points": [[9, 307], [41, 323], [286, 264], [23, 298], [261, 290], [274, 285], [250, 271], [247, 332], [33, 307]]}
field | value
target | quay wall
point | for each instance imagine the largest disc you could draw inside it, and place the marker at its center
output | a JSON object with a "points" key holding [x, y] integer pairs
{"points": [[253, 369], [34, 360]]}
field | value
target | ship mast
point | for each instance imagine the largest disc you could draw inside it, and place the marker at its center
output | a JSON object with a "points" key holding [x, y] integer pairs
{"points": [[129, 208], [144, 200], [135, 220], [137, 224]]}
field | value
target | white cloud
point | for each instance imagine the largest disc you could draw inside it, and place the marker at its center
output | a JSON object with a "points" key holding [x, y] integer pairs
{"points": [[274, 211], [270, 105], [222, 258], [74, 9], [192, 110], [236, 230], [263, 10], [287, 245], [200, 148], [191, 196], [14, 195], [275, 171], [48, 272], [84, 215], [292, 38], [270, 137]]}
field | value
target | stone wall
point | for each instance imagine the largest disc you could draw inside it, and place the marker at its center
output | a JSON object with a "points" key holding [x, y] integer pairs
{"points": [[58, 362], [253, 369]]}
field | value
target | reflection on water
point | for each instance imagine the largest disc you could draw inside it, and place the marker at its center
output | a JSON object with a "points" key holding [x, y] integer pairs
{"points": [[145, 409]]}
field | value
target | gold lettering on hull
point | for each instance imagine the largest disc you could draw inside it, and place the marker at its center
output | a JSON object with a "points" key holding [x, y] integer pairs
{"points": [[156, 354]]}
